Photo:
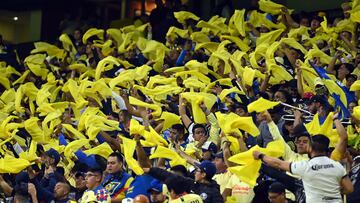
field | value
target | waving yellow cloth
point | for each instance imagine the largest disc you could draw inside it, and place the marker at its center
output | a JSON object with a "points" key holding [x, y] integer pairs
{"points": [[356, 113], [226, 92], [32, 127], [74, 146], [30, 154], [223, 81], [199, 37], [237, 23], [278, 74], [269, 37], [261, 105], [163, 152], [153, 137], [136, 127], [231, 122], [50, 49], [103, 150], [249, 169], [195, 74], [316, 52], [209, 46], [355, 86], [115, 34], [270, 7], [157, 109], [92, 32], [67, 43], [182, 16], [129, 148], [240, 43], [174, 32], [196, 99], [5, 82], [106, 64], [4, 127], [169, 120], [73, 131], [9, 164], [326, 128]]}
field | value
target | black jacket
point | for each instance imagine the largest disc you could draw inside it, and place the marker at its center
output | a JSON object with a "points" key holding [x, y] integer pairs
{"points": [[210, 193]]}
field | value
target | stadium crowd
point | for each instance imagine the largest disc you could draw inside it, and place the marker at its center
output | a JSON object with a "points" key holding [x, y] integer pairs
{"points": [[261, 107]]}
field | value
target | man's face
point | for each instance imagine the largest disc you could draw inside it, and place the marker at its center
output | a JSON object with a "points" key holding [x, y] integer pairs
{"points": [[304, 22], [157, 197], [198, 133], [312, 108], [113, 165], [276, 197], [77, 34], [219, 164], [80, 182], [302, 144], [60, 191]]}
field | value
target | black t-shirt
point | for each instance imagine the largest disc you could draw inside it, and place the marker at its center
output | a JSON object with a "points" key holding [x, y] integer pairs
{"points": [[355, 179]]}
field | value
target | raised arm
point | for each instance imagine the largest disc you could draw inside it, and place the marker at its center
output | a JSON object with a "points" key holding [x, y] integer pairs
{"points": [[143, 160], [341, 146], [273, 162], [299, 81], [331, 67], [182, 111]]}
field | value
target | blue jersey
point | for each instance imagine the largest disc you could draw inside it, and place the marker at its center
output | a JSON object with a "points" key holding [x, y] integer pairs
{"points": [[117, 185], [140, 185]]}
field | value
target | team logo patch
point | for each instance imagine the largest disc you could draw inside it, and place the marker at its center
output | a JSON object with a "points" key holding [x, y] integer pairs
{"points": [[203, 196]]}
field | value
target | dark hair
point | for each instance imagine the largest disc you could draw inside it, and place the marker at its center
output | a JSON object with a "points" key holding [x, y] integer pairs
{"points": [[277, 188], [180, 128], [318, 18], [287, 96], [101, 162], [181, 169], [118, 155], [95, 170], [198, 126], [238, 106], [320, 143], [177, 184]]}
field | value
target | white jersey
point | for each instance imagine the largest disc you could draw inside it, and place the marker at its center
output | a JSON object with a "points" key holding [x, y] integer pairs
{"points": [[321, 177]]}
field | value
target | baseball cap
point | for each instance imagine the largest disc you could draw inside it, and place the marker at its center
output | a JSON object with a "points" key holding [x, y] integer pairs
{"points": [[53, 154], [319, 98], [156, 186], [219, 155], [209, 146], [277, 188], [208, 167]]}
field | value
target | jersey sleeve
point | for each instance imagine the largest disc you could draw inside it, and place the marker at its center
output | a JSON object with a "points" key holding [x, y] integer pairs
{"points": [[298, 168]]}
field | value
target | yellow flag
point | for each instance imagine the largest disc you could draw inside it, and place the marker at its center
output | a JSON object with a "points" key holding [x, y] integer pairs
{"points": [[163, 152], [129, 148], [261, 105]]}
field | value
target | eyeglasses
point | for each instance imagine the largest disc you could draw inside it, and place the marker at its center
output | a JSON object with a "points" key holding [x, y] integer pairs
{"points": [[90, 174]]}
